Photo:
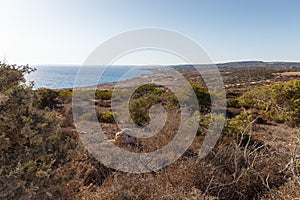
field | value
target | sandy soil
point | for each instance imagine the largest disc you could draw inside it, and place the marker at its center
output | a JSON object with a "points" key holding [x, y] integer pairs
{"points": [[290, 74]]}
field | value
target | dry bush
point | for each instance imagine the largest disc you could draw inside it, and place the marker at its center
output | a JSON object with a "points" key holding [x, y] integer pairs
{"points": [[231, 171], [82, 173], [144, 186], [290, 190], [242, 173]]}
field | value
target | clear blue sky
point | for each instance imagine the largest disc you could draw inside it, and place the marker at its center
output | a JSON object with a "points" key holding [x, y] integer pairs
{"points": [[67, 31]]}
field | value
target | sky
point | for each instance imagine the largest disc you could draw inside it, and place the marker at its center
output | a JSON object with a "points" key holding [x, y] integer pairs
{"points": [[67, 31]]}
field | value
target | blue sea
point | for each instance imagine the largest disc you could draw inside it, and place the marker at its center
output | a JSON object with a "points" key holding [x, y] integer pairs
{"points": [[57, 77]]}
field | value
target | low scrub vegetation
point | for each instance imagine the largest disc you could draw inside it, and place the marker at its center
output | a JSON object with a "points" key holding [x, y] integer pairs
{"points": [[147, 96], [41, 156], [107, 117], [32, 144], [46, 98], [279, 102], [103, 94]]}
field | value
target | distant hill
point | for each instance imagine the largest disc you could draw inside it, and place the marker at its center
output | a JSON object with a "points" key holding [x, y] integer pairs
{"points": [[244, 64], [258, 64]]}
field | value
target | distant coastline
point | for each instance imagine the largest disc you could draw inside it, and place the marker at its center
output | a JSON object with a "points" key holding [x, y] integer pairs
{"points": [[59, 77], [64, 76]]}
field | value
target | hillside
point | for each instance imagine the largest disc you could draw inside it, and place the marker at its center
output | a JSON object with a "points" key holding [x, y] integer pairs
{"points": [[256, 157]]}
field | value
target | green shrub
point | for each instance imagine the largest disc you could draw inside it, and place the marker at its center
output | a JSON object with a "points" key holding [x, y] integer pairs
{"points": [[150, 94], [32, 144], [240, 124], [147, 96], [279, 102], [205, 121], [202, 94], [46, 98], [12, 75], [107, 117], [103, 94], [240, 127], [66, 93]]}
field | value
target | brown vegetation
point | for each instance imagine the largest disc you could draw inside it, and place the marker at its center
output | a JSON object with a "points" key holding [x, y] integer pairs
{"points": [[257, 156]]}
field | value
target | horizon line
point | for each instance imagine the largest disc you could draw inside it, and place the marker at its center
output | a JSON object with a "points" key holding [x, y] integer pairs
{"points": [[164, 64]]}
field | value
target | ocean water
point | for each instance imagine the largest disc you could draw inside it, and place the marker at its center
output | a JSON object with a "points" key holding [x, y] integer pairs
{"points": [[57, 77]]}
